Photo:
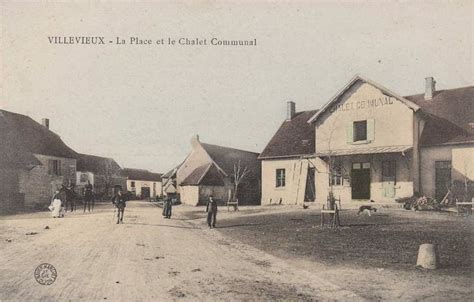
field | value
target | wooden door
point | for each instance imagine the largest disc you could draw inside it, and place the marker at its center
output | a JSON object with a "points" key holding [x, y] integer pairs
{"points": [[442, 178], [360, 180]]}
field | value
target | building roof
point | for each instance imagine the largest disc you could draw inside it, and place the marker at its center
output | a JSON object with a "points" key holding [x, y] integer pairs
{"points": [[24, 137], [96, 164], [358, 79], [13, 157], [204, 175], [293, 138], [454, 105], [140, 174], [369, 150], [172, 173], [225, 158]]}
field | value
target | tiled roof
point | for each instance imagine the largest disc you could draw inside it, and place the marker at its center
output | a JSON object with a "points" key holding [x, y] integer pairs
{"points": [[293, 138], [24, 137], [454, 105], [204, 175], [196, 175], [449, 114], [140, 174], [96, 164], [226, 158]]}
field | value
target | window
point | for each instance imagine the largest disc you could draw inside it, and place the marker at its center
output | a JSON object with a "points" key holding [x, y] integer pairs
{"points": [[335, 176], [54, 167], [132, 184], [280, 178], [360, 131], [358, 166], [443, 165]]}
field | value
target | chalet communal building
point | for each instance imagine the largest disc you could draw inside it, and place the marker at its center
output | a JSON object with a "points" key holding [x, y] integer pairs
{"points": [[372, 144]]}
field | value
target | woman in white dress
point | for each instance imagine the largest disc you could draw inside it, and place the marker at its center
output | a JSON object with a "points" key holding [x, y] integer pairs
{"points": [[56, 206]]}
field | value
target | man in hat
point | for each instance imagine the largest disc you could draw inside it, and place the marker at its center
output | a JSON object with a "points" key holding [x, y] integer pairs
{"points": [[119, 201], [88, 197], [211, 209]]}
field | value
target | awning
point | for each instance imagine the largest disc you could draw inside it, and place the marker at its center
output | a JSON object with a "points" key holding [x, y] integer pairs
{"points": [[357, 151]]}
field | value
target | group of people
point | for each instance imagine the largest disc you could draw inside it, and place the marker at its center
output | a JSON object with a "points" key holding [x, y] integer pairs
{"points": [[211, 210], [119, 200], [65, 198]]}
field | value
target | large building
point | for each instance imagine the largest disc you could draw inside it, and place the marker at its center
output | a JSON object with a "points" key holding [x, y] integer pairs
{"points": [[34, 162], [372, 144], [209, 170]]}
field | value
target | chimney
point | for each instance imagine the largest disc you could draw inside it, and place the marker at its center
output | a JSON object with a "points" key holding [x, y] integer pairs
{"points": [[45, 122], [195, 141], [430, 88], [290, 110]]}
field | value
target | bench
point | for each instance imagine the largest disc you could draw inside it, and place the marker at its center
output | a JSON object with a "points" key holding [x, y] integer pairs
{"points": [[465, 205], [234, 203]]}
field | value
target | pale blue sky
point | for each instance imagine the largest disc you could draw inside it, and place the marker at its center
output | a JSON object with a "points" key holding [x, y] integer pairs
{"points": [[142, 104]]}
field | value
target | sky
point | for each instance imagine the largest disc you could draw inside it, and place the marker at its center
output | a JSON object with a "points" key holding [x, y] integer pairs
{"points": [[142, 104]]}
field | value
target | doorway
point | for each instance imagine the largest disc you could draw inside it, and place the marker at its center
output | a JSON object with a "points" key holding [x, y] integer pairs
{"points": [[442, 178], [145, 192], [360, 181], [310, 189], [389, 178]]}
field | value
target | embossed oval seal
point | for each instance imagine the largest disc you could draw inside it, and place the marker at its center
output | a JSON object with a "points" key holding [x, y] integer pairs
{"points": [[45, 274]]}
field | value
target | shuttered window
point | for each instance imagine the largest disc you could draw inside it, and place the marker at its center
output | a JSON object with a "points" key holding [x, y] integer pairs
{"points": [[360, 131], [54, 167]]}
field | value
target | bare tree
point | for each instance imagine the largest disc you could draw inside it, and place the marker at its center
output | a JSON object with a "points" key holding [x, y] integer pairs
{"points": [[240, 172], [108, 171]]}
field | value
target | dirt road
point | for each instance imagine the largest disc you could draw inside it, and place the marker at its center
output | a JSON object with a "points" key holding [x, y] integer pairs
{"points": [[146, 258]]}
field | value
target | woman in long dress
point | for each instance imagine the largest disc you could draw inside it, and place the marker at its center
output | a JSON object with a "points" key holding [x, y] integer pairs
{"points": [[56, 206]]}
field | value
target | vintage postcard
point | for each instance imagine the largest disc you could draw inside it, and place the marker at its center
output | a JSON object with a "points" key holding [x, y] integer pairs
{"points": [[236, 150]]}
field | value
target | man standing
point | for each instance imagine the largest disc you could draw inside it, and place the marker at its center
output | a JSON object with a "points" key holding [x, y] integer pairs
{"points": [[119, 201], [88, 197], [70, 196], [167, 205], [211, 209]]}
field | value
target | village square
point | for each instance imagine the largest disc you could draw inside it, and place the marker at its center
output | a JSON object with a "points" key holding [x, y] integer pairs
{"points": [[334, 207], [236, 151]]}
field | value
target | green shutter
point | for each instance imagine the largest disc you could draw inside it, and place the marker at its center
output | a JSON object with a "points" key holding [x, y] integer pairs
{"points": [[370, 130], [350, 133]]}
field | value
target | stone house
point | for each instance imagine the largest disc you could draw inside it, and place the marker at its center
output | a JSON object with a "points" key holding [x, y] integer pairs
{"points": [[34, 162]]}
